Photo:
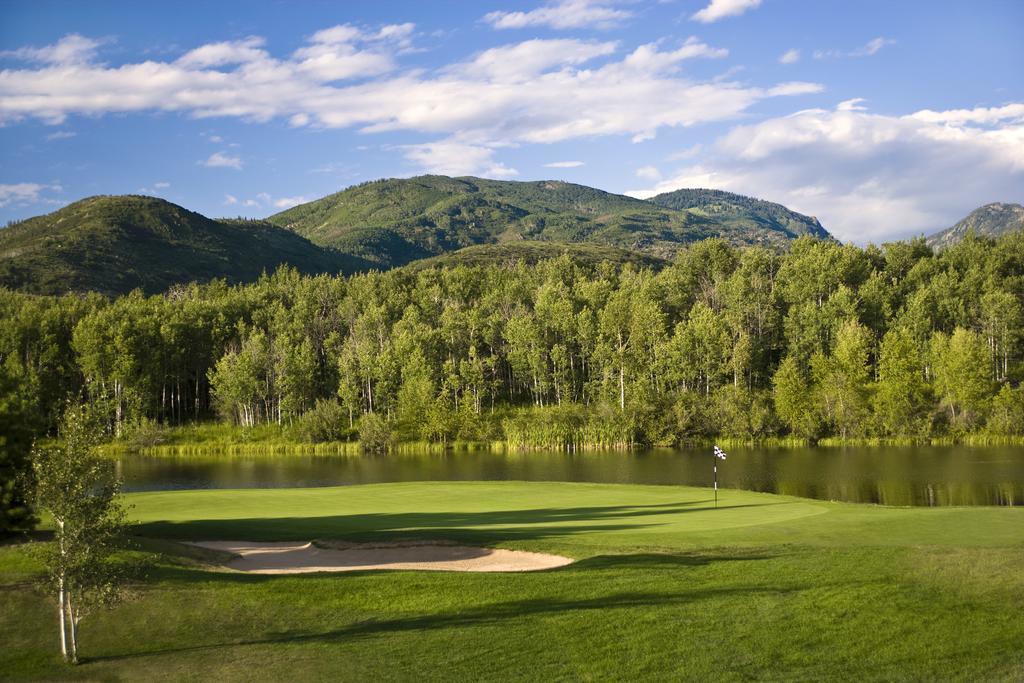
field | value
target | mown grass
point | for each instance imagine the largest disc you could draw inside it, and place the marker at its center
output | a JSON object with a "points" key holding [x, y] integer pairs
{"points": [[665, 587]]}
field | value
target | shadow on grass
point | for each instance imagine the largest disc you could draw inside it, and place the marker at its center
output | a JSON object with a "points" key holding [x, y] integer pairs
{"points": [[658, 561], [499, 613], [476, 527]]}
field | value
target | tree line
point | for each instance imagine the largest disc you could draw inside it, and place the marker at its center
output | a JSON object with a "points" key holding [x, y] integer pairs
{"points": [[825, 340]]}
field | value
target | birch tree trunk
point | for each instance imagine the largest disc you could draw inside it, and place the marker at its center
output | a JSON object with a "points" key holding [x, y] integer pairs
{"points": [[61, 597], [61, 612], [622, 387], [73, 623]]}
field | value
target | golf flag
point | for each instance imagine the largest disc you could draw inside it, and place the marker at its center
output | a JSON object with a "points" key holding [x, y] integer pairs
{"points": [[719, 455]]}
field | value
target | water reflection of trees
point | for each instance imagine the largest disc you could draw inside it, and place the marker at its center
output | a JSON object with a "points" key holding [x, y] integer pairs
{"points": [[919, 476]]}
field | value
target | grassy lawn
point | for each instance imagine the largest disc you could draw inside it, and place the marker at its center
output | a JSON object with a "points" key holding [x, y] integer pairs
{"points": [[665, 587]]}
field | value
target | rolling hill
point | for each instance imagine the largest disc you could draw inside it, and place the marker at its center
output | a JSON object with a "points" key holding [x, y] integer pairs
{"points": [[113, 244], [396, 221], [742, 212], [991, 220]]}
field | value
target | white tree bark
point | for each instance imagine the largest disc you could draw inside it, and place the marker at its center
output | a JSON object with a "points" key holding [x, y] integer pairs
{"points": [[61, 612], [61, 597], [73, 622]]}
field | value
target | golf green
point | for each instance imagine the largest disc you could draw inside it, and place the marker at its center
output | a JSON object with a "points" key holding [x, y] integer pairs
{"points": [[665, 586]]}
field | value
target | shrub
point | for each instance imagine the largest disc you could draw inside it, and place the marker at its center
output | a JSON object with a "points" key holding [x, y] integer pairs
{"points": [[1007, 415], [326, 421], [143, 433], [374, 434]]}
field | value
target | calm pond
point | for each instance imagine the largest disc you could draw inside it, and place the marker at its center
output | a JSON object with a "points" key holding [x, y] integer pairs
{"points": [[912, 475]]}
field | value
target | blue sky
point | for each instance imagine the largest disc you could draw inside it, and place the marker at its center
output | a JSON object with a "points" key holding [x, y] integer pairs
{"points": [[883, 119]]}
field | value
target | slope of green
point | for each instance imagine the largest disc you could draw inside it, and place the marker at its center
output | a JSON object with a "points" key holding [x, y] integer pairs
{"points": [[665, 587], [991, 220], [743, 212], [532, 252], [392, 222], [118, 243]]}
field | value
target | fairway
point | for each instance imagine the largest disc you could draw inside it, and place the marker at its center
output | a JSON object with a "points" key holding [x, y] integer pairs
{"points": [[664, 586]]}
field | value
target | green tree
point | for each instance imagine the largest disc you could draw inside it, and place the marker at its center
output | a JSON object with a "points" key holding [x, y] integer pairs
{"points": [[795, 401], [962, 369], [1007, 415], [901, 401], [843, 377], [79, 489], [1001, 313], [15, 445]]}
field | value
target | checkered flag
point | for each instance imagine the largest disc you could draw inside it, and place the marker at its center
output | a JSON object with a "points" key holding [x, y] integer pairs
{"points": [[719, 453]]}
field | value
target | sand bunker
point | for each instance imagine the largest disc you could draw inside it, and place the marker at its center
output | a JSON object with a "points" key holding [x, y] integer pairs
{"points": [[323, 556]]}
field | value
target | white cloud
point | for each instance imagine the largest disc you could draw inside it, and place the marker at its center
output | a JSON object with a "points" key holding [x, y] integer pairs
{"points": [[688, 153], [69, 50], [564, 164], [289, 202], [649, 57], [793, 88], [790, 56], [539, 91], [335, 55], [868, 49], [867, 176], [344, 33], [221, 160], [60, 135], [522, 61], [720, 9], [264, 200], [561, 15], [24, 193], [162, 184], [399, 35], [451, 157], [648, 173], [981, 115], [872, 47], [220, 54], [851, 105]]}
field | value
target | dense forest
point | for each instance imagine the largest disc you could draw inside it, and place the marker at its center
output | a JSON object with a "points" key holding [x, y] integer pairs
{"points": [[825, 340]]}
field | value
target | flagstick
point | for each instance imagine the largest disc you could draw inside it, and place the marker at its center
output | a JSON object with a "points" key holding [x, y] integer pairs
{"points": [[719, 455], [716, 482]]}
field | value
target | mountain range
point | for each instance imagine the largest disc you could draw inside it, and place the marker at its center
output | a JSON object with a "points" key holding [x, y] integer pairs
{"points": [[114, 244], [991, 220], [394, 222]]}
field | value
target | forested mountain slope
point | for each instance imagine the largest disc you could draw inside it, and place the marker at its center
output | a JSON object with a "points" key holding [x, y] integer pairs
{"points": [[396, 221], [991, 220], [113, 244], [742, 212], [533, 252]]}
